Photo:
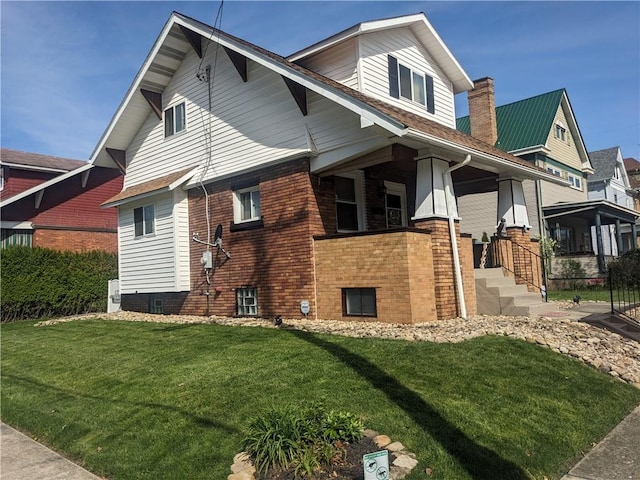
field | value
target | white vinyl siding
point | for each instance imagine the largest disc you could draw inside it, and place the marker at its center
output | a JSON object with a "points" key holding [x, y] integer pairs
{"points": [[242, 134], [338, 63], [160, 262], [403, 45]]}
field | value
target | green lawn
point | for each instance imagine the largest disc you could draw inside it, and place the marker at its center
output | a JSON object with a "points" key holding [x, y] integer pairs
{"points": [[162, 401], [586, 294]]}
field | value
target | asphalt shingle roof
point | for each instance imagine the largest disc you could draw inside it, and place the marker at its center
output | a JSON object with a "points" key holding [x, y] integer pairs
{"points": [[604, 164], [29, 159], [522, 124]]}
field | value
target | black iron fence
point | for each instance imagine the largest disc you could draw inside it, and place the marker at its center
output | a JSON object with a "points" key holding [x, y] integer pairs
{"points": [[624, 288]]}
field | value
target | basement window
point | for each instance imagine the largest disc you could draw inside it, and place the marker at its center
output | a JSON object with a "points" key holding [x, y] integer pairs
{"points": [[359, 302], [247, 302], [144, 220], [155, 304], [174, 120]]}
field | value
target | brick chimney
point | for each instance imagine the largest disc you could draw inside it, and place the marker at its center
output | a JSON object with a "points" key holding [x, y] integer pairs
{"points": [[482, 111]]}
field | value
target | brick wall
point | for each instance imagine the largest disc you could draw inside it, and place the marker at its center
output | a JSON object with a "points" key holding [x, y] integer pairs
{"points": [[75, 240], [482, 111], [397, 264], [445, 283], [275, 257], [527, 266]]}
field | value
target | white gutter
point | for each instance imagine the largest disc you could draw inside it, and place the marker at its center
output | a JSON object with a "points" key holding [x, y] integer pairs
{"points": [[530, 173], [452, 234]]}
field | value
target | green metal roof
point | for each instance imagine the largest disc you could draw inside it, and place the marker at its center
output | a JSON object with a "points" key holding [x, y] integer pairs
{"points": [[522, 124]]}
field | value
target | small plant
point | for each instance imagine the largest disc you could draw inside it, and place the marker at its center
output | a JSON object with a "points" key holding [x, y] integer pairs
{"points": [[573, 271], [302, 439]]}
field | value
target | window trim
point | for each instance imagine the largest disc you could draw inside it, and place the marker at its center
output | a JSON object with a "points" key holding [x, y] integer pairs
{"points": [[237, 205], [358, 183], [143, 221], [345, 291], [395, 83], [399, 189], [174, 118]]}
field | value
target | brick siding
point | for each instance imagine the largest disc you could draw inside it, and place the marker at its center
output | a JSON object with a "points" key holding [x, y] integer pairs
{"points": [[75, 240]]}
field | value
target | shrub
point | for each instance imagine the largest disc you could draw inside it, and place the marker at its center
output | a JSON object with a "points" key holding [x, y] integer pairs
{"points": [[625, 270], [573, 271], [303, 439], [39, 282]]}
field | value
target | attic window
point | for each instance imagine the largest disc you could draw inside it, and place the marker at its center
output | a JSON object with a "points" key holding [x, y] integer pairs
{"points": [[410, 84], [174, 120], [560, 132]]}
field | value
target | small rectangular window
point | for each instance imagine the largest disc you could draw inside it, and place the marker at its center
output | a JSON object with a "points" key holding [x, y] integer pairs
{"points": [[412, 85], [144, 220], [247, 204], [174, 120], [247, 302], [155, 304], [359, 302], [346, 204]]}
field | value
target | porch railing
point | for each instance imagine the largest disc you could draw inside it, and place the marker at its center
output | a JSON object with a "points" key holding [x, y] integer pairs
{"points": [[625, 297], [525, 265]]}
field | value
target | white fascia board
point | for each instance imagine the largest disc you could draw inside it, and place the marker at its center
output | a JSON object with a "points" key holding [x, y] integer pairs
{"points": [[133, 88], [44, 185], [16, 225], [526, 172], [533, 149], [582, 150]]}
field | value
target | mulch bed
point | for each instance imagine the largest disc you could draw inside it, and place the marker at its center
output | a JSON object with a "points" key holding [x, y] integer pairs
{"points": [[350, 467]]}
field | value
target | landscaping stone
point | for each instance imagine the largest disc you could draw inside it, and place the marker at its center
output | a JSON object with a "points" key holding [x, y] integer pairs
{"points": [[382, 441], [395, 447], [405, 461]]}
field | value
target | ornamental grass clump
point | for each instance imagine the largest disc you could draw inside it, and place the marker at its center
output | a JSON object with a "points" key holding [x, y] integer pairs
{"points": [[303, 439]]}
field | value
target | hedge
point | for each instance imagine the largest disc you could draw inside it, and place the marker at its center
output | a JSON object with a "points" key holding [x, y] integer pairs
{"points": [[39, 282]]}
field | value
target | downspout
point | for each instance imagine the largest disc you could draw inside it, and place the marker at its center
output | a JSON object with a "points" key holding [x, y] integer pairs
{"points": [[452, 235]]}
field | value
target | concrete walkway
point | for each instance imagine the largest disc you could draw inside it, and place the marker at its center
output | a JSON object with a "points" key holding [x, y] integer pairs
{"points": [[616, 457], [22, 458]]}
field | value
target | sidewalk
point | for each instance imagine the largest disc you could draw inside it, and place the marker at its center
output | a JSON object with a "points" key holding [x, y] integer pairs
{"points": [[616, 457], [22, 458]]}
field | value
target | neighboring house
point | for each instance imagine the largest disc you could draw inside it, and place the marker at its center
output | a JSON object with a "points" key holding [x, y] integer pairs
{"points": [[54, 202], [610, 182], [632, 167], [330, 175], [543, 130]]}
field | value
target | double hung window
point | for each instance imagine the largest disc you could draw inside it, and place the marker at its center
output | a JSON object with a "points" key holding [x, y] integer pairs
{"points": [[175, 120], [144, 220], [410, 84], [247, 204], [349, 201]]}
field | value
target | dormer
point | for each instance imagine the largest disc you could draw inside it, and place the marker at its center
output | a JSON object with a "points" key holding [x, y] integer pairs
{"points": [[401, 61]]}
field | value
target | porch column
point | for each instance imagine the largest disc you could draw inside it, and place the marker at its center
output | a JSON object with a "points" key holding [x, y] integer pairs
{"points": [[619, 237], [511, 203], [431, 195], [599, 243], [634, 236]]}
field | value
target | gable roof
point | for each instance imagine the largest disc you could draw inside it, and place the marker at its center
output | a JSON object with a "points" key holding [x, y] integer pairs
{"points": [[134, 109], [37, 161], [604, 164], [525, 125], [420, 27], [522, 124]]}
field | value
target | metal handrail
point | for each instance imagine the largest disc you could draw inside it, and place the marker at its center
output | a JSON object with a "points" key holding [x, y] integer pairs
{"points": [[627, 298], [500, 258]]}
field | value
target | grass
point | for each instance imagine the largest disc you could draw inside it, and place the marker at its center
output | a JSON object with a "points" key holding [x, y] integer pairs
{"points": [[145, 400], [593, 294]]}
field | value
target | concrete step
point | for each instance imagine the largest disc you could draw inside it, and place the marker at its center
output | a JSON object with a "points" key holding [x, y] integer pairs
{"points": [[488, 273], [530, 310], [508, 291], [496, 282]]}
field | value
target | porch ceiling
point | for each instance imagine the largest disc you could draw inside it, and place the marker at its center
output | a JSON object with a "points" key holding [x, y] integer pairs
{"points": [[468, 180], [609, 212]]}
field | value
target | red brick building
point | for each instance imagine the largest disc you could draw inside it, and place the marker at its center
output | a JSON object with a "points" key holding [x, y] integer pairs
{"points": [[55, 202]]}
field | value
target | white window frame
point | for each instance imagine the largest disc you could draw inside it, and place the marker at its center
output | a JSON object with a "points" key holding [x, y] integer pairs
{"points": [[174, 122], [1, 178], [575, 182], [358, 182], [238, 210], [560, 132], [145, 211], [399, 189]]}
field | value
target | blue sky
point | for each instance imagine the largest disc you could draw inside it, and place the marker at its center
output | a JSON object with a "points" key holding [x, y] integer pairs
{"points": [[67, 65]]}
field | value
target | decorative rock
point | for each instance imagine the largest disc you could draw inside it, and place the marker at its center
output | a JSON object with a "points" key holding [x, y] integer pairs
{"points": [[405, 461], [370, 433], [395, 447], [398, 473], [244, 475], [382, 441]]}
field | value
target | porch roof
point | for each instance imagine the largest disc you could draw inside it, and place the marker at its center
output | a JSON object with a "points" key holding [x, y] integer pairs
{"points": [[609, 211]]}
